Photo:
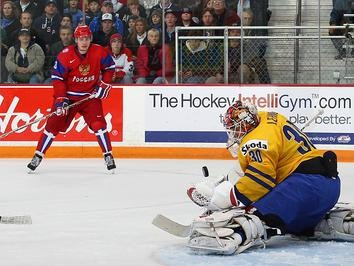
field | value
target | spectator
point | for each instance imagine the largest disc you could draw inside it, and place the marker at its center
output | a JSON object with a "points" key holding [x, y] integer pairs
{"points": [[224, 16], [131, 24], [197, 61], [26, 23], [164, 4], [92, 11], [138, 36], [156, 20], [170, 26], [150, 61], [25, 60], [253, 69], [66, 20], [186, 18], [337, 18], [133, 8], [9, 19], [259, 45], [259, 9], [123, 59], [4, 48], [209, 20], [107, 7], [102, 36], [30, 6], [48, 24], [66, 39], [75, 12]]}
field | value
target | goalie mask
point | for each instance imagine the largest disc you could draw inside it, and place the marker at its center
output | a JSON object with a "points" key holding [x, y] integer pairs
{"points": [[240, 119]]}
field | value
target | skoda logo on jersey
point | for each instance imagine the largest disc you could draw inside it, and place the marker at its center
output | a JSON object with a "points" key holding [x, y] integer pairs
{"points": [[84, 69], [84, 79], [253, 145]]}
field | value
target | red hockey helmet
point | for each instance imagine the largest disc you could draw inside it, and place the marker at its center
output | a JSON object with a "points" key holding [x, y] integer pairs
{"points": [[82, 31]]}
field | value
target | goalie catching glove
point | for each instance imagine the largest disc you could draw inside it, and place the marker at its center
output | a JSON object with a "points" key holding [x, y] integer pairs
{"points": [[61, 106], [102, 90], [216, 193]]}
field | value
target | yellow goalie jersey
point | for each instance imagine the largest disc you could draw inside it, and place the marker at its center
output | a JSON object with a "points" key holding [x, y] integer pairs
{"points": [[269, 154]]}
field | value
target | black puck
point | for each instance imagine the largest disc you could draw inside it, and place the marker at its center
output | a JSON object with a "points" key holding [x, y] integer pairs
{"points": [[205, 171]]}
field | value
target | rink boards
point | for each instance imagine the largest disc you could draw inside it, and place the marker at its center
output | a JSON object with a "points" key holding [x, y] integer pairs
{"points": [[176, 121]]}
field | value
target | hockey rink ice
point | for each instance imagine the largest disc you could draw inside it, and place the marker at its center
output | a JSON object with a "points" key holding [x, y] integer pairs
{"points": [[84, 216]]}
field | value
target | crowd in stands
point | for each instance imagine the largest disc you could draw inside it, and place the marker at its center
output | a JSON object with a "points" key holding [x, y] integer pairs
{"points": [[33, 32]]}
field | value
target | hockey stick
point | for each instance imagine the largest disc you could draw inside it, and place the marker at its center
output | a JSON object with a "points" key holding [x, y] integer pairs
{"points": [[46, 116], [320, 112], [172, 227], [24, 219]]}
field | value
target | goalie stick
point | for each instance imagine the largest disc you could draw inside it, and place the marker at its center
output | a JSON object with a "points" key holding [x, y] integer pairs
{"points": [[172, 227], [45, 117], [24, 219]]}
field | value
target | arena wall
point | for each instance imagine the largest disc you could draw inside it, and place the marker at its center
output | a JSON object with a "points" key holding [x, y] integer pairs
{"points": [[177, 121]]}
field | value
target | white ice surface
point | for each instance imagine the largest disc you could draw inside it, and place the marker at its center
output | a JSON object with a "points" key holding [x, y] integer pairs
{"points": [[83, 216]]}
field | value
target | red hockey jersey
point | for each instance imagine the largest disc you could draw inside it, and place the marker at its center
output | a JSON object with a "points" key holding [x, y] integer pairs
{"points": [[75, 75]]}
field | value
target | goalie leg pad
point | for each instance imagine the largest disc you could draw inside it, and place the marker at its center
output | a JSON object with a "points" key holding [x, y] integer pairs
{"points": [[237, 233], [337, 225]]}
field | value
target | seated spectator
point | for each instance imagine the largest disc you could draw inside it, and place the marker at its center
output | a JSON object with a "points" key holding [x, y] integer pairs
{"points": [[66, 20], [170, 27], [66, 39], [75, 12], [102, 36], [123, 59], [131, 24], [152, 60], [30, 6], [9, 19], [164, 4], [107, 7], [92, 11], [198, 62], [4, 48], [186, 19], [156, 20], [138, 36], [133, 8], [25, 60], [26, 23], [337, 18], [47, 25], [224, 16], [252, 70], [209, 20]]}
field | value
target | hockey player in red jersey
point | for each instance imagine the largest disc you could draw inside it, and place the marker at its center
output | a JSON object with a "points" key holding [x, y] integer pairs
{"points": [[80, 70]]}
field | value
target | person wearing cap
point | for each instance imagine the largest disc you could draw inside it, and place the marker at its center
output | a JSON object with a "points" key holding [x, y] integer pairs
{"points": [[123, 59], [164, 5], [170, 26], [102, 36], [151, 58], [25, 60], [48, 24], [75, 12], [156, 19], [107, 7], [186, 19]]}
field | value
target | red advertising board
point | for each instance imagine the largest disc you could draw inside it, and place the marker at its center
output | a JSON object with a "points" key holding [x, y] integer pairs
{"points": [[21, 105]]}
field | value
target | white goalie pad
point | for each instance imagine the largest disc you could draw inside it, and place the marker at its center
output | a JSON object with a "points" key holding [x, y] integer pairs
{"points": [[215, 233], [337, 225]]}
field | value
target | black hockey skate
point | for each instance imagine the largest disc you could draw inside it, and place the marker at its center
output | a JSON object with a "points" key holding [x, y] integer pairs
{"points": [[109, 161], [36, 160]]}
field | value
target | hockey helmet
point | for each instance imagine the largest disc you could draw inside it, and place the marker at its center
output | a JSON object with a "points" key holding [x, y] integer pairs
{"points": [[82, 31], [240, 119]]}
